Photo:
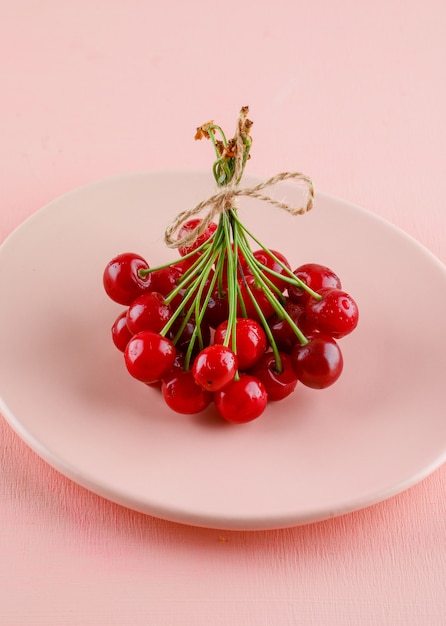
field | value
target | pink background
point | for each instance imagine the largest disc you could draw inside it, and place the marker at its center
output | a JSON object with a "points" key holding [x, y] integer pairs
{"points": [[351, 93]]}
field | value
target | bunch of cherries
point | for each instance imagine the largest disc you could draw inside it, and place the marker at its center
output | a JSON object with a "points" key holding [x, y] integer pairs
{"points": [[227, 324]]}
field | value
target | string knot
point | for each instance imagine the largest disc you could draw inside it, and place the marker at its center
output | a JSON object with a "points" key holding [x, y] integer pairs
{"points": [[227, 197]]}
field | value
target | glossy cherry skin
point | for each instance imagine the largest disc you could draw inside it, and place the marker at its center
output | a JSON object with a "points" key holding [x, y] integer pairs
{"points": [[187, 228], [336, 314], [278, 385], [178, 366], [166, 279], [241, 401], [182, 394], [247, 285], [250, 340], [268, 261], [217, 310], [148, 312], [316, 277], [283, 334], [214, 367], [121, 280], [120, 332], [319, 363], [148, 356]]}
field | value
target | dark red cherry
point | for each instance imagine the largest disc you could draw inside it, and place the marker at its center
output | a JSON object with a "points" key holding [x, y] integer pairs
{"points": [[317, 364], [283, 333]]}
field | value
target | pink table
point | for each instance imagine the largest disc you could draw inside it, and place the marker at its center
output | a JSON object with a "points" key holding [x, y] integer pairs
{"points": [[353, 94]]}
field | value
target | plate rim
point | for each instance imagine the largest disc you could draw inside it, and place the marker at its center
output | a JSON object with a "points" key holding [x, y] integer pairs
{"points": [[232, 522]]}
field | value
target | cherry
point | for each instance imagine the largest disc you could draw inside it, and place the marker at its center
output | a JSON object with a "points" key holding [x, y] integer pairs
{"points": [[148, 356], [185, 337], [184, 292], [166, 279], [217, 309], [240, 267], [120, 331], [148, 312], [278, 385], [248, 284], [241, 401], [283, 334], [316, 277], [250, 340], [214, 367], [182, 394], [317, 364], [178, 366], [187, 228], [335, 314], [269, 262], [121, 280]]}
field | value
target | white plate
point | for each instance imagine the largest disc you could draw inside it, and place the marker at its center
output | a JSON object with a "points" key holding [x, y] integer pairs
{"points": [[64, 388]]}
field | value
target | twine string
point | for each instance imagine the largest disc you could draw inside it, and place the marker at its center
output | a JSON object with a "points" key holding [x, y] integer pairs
{"points": [[228, 197]]}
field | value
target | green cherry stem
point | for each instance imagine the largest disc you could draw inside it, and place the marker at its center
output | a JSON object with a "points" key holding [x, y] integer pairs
{"points": [[291, 277], [143, 273], [232, 283], [277, 306]]}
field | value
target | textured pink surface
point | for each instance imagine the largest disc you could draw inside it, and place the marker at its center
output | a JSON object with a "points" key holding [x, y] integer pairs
{"points": [[350, 93]]}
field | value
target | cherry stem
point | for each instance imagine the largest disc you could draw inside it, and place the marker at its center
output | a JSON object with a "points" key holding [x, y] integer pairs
{"points": [[143, 273], [291, 277]]}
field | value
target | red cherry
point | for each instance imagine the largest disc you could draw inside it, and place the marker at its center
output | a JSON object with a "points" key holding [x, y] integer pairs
{"points": [[187, 228], [336, 314], [178, 366], [148, 356], [214, 367], [250, 340], [241, 401], [317, 364], [166, 279], [148, 312], [248, 284], [121, 280], [316, 277], [120, 332], [182, 394], [278, 385], [268, 261]]}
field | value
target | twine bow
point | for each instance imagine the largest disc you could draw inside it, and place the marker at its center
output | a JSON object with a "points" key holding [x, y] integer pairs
{"points": [[227, 199]]}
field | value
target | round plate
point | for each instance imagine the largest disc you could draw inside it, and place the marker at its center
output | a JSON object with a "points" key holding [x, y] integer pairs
{"points": [[65, 390]]}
